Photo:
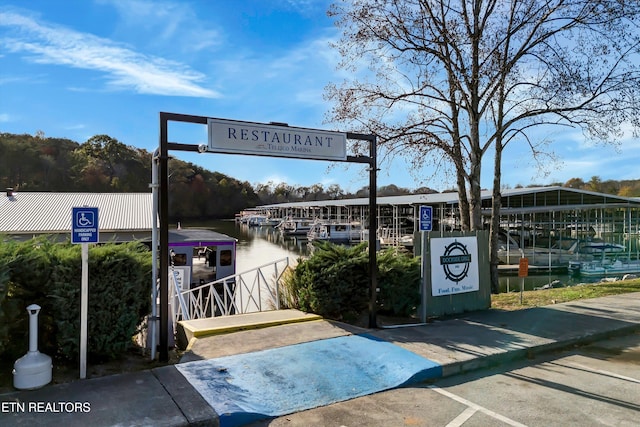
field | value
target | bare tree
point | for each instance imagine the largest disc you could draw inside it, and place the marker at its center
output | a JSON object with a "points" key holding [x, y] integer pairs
{"points": [[446, 80]]}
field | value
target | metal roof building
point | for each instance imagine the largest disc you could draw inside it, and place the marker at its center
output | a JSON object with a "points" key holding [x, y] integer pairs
{"points": [[122, 216], [518, 199], [555, 209]]}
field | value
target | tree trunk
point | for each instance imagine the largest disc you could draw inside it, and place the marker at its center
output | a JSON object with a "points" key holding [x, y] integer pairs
{"points": [[475, 190], [463, 201], [496, 201]]}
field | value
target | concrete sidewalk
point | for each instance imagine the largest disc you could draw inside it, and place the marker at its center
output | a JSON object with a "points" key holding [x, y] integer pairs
{"points": [[164, 397]]}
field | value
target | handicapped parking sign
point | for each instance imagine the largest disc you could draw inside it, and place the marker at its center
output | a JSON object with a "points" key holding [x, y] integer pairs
{"points": [[426, 217], [84, 227]]}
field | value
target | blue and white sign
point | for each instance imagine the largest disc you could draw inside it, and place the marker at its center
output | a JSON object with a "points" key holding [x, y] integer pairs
{"points": [[426, 218], [84, 225]]}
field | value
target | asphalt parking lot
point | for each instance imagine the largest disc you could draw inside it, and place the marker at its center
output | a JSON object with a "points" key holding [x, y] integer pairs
{"points": [[593, 385]]}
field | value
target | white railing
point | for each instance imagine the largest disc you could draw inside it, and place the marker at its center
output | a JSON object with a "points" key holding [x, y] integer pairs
{"points": [[247, 292], [178, 304]]}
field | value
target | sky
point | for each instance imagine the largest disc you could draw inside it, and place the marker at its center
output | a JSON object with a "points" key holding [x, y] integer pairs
{"points": [[95, 67]]}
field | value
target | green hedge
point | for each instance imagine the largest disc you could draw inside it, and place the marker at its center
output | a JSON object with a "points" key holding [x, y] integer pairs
{"points": [[399, 283], [334, 282], [49, 274]]}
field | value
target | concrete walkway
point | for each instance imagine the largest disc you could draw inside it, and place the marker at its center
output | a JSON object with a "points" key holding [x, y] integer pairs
{"points": [[263, 372]]}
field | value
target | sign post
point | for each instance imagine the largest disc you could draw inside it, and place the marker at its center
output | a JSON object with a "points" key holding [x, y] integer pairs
{"points": [[523, 271], [426, 224], [84, 230]]}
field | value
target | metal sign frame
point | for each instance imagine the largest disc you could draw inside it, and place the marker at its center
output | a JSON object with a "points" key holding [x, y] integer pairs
{"points": [[163, 212]]}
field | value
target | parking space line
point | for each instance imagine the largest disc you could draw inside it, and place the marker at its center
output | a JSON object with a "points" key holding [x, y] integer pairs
{"points": [[603, 372], [475, 407], [463, 417]]}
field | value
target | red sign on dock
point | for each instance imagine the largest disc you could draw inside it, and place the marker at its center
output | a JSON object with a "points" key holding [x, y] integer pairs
{"points": [[523, 268]]}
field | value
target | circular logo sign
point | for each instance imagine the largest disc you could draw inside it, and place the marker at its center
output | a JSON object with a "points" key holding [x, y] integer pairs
{"points": [[455, 261]]}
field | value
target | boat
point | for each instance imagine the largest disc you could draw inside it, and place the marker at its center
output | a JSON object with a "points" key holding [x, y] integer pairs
{"points": [[263, 221], [272, 222], [604, 267], [256, 220], [336, 232], [598, 246], [560, 253], [296, 226], [563, 251]]}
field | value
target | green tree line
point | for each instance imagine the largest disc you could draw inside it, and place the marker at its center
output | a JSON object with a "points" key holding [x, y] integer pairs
{"points": [[104, 164]]}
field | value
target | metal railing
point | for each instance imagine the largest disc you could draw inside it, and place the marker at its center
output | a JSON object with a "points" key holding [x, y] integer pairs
{"points": [[251, 291], [178, 304]]}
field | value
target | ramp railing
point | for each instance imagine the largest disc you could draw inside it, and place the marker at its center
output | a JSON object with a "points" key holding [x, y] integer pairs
{"points": [[251, 291], [178, 305]]}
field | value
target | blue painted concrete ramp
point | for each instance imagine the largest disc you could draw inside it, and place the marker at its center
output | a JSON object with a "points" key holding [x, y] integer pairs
{"points": [[270, 383]]}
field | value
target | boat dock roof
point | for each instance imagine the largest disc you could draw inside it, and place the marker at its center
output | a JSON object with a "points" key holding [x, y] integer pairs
{"points": [[516, 200]]}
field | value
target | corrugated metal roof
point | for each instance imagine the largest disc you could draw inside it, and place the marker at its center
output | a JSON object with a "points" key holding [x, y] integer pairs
{"points": [[43, 212], [523, 198], [412, 199]]}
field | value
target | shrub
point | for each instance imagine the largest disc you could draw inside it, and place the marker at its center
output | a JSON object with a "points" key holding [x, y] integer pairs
{"points": [[28, 267], [399, 283], [334, 281], [49, 274], [119, 296]]}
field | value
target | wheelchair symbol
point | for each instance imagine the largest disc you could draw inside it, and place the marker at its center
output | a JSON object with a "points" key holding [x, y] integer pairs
{"points": [[425, 218], [84, 219]]}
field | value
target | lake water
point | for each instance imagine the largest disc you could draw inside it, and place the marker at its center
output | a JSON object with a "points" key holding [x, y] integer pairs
{"points": [[259, 245], [262, 245]]}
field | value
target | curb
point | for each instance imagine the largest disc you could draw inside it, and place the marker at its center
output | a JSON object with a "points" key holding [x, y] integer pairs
{"points": [[488, 361], [194, 408]]}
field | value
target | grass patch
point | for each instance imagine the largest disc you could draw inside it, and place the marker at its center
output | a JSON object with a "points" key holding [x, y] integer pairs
{"points": [[511, 300]]}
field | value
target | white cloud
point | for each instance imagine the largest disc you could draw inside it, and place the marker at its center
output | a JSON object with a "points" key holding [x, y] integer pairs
{"points": [[174, 22], [123, 68], [301, 5], [78, 126], [5, 80]]}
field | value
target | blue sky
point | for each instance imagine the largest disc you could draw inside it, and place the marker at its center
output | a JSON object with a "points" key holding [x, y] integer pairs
{"points": [[78, 68]]}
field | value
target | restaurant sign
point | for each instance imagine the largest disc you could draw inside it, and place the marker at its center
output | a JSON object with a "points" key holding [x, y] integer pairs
{"points": [[276, 140], [454, 265]]}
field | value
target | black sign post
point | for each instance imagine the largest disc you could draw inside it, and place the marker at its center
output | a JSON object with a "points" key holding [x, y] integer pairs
{"points": [[163, 169]]}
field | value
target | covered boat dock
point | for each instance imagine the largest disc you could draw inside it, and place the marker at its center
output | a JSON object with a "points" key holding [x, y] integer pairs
{"points": [[537, 217]]}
